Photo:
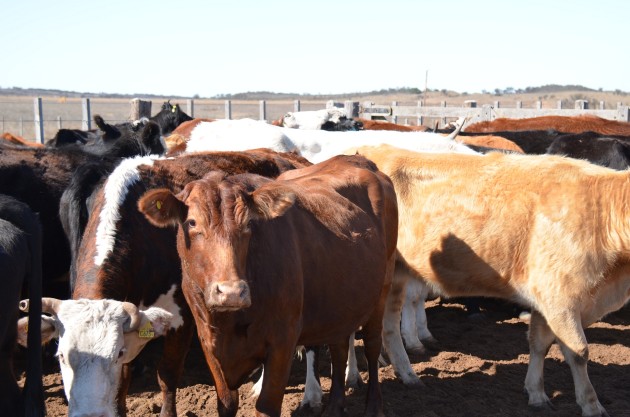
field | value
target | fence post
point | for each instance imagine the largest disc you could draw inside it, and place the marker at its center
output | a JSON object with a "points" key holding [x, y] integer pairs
{"points": [[262, 109], [140, 109], [86, 122], [443, 119], [486, 113], [602, 105], [296, 105], [190, 107], [559, 104], [228, 109], [39, 120], [581, 104], [497, 104], [352, 108], [623, 113], [394, 118], [539, 105], [59, 122], [519, 104], [419, 119]]}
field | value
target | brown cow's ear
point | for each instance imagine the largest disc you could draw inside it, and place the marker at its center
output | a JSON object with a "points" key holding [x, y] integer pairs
{"points": [[272, 202], [162, 208]]}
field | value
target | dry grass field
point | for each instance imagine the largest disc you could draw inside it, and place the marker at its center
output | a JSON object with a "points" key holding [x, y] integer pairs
{"points": [[17, 113]]}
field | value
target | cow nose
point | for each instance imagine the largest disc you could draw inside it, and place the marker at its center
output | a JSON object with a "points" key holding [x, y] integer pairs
{"points": [[228, 295]]}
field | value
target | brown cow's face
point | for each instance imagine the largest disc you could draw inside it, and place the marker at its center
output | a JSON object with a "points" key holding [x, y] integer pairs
{"points": [[212, 244], [214, 216]]}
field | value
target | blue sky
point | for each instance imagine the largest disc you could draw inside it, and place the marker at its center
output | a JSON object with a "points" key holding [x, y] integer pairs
{"points": [[319, 47]]}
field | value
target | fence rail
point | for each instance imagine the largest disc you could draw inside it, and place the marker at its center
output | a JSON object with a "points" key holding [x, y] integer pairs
{"points": [[263, 110]]}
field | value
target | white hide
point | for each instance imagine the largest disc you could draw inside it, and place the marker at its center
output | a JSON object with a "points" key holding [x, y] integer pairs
{"points": [[312, 119], [116, 187], [314, 145]]}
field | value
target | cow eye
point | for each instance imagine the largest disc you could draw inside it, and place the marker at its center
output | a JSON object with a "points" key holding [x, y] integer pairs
{"points": [[121, 353], [191, 223]]}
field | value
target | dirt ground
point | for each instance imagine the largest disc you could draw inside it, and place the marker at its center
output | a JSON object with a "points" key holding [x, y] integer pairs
{"points": [[478, 369]]}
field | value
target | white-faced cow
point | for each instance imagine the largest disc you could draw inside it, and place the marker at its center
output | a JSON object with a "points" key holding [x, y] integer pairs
{"points": [[271, 264], [513, 233], [20, 266], [123, 257]]}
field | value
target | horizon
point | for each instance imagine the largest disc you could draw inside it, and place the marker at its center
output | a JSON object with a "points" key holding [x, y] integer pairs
{"points": [[323, 48]]}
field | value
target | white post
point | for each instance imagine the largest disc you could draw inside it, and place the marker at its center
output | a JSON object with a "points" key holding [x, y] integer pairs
{"points": [[228, 109], [296, 105], [39, 120], [86, 120], [190, 107], [262, 107]]}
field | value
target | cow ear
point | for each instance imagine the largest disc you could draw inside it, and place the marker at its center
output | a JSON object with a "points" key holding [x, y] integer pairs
{"points": [[272, 202], [49, 330], [162, 208], [151, 134]]}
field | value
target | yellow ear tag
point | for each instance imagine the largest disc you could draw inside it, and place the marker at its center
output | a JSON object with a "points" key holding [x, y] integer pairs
{"points": [[146, 331], [173, 109], [158, 204]]}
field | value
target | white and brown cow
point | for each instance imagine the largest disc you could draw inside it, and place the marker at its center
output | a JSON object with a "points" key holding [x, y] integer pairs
{"points": [[271, 264], [548, 232]]}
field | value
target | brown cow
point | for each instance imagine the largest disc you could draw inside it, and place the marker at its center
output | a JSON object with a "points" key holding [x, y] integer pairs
{"points": [[19, 140], [548, 232], [564, 124], [385, 125], [268, 264]]}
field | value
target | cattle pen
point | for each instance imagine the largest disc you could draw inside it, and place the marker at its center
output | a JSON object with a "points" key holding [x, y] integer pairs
{"points": [[38, 118]]}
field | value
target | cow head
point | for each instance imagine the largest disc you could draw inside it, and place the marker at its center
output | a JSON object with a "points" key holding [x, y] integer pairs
{"points": [[213, 216], [96, 337]]}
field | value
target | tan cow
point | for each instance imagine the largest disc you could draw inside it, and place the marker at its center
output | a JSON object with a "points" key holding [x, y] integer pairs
{"points": [[548, 232]]}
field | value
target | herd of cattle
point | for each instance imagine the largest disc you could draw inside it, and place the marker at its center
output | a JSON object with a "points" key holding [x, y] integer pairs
{"points": [[264, 237]]}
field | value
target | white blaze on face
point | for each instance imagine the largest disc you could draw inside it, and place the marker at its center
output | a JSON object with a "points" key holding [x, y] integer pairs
{"points": [[91, 353]]}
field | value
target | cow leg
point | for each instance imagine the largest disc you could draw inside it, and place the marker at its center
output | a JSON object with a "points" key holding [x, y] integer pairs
{"points": [[413, 325], [567, 327], [392, 339], [176, 347], [353, 377], [277, 368], [372, 342], [313, 389], [540, 339], [337, 399]]}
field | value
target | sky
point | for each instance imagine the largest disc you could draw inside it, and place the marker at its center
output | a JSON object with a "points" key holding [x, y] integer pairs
{"points": [[207, 48]]}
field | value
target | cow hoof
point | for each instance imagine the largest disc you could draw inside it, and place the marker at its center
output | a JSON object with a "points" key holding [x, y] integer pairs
{"points": [[431, 343], [545, 406], [354, 384], [416, 350], [335, 412], [312, 409]]}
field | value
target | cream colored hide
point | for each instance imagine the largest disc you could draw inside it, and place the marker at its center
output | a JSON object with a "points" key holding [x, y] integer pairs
{"points": [[548, 232]]}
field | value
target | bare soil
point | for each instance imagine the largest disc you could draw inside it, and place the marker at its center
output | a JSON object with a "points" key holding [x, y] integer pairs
{"points": [[478, 369]]}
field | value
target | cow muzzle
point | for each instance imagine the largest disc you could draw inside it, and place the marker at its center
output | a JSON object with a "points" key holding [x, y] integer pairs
{"points": [[228, 296]]}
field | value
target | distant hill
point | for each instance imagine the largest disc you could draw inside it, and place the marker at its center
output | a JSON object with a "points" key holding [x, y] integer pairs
{"points": [[262, 95]]}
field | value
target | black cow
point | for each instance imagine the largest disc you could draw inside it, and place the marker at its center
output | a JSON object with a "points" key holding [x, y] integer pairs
{"points": [[169, 117], [38, 177], [20, 263], [607, 151]]}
